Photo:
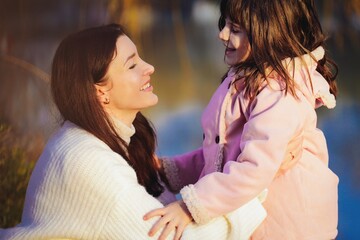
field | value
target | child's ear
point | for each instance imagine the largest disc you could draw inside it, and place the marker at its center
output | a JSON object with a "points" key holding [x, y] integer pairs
{"points": [[102, 93]]}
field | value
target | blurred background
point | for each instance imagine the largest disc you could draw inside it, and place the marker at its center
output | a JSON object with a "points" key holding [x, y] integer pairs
{"points": [[178, 37]]}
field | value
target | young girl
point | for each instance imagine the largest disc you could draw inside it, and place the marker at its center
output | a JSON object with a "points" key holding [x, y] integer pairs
{"points": [[263, 110]]}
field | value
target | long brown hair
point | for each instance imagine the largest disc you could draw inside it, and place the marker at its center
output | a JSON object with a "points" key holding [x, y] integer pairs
{"points": [[81, 61], [277, 29]]}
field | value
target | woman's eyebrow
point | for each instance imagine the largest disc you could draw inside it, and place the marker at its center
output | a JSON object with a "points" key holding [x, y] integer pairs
{"points": [[129, 57]]}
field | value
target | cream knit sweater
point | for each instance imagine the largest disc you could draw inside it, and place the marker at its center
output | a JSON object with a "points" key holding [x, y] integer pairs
{"points": [[81, 189]]}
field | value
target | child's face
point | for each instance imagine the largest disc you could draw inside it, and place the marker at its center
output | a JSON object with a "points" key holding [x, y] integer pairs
{"points": [[236, 43]]}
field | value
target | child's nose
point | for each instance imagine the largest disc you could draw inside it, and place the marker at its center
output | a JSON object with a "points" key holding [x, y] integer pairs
{"points": [[224, 34]]}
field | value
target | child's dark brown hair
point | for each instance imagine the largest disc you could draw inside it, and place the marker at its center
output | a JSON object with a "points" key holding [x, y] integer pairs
{"points": [[277, 29]]}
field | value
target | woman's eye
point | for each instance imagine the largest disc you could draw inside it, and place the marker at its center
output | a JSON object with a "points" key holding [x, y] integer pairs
{"points": [[132, 66]]}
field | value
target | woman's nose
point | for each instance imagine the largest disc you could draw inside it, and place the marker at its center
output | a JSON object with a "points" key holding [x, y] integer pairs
{"points": [[149, 69]]}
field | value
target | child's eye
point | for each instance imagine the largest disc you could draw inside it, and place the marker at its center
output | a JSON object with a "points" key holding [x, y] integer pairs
{"points": [[234, 29], [132, 66]]}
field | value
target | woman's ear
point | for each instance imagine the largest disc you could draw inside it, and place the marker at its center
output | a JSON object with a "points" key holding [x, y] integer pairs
{"points": [[102, 93]]}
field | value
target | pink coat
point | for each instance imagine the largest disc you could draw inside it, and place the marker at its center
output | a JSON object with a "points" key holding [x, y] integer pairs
{"points": [[243, 150]]}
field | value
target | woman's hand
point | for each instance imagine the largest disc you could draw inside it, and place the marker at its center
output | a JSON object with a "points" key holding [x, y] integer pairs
{"points": [[292, 155], [174, 216]]}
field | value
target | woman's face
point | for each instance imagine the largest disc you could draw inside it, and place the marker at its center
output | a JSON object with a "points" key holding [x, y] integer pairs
{"points": [[128, 86], [236, 42]]}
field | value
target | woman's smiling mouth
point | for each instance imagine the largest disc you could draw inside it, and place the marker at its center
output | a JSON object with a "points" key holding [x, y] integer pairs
{"points": [[146, 87]]}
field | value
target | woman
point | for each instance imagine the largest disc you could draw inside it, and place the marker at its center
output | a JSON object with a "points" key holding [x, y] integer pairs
{"points": [[98, 176]]}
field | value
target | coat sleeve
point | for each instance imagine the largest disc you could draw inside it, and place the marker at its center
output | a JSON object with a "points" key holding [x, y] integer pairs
{"points": [[183, 169], [273, 119], [133, 202]]}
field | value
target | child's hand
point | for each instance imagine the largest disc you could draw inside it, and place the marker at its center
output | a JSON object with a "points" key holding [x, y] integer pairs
{"points": [[174, 216]]}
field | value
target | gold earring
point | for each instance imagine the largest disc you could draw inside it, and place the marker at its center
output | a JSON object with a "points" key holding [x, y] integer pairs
{"points": [[107, 100]]}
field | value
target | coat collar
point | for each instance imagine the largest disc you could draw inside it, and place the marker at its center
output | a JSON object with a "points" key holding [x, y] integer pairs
{"points": [[308, 81]]}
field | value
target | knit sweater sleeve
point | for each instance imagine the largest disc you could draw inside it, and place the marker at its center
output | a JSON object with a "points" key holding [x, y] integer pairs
{"points": [[125, 220], [126, 202], [80, 189]]}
